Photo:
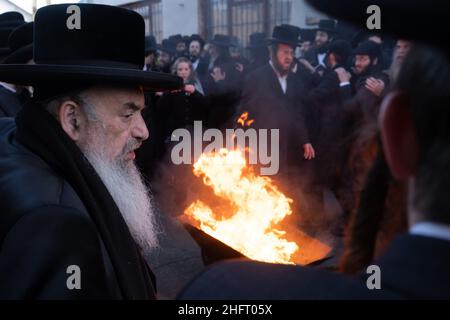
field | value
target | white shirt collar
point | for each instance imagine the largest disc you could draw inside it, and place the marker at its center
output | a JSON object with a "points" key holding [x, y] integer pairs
{"points": [[432, 230], [195, 64], [281, 79]]}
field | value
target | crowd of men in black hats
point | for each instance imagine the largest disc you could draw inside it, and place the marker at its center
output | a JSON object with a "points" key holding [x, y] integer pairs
{"points": [[321, 87], [74, 109]]}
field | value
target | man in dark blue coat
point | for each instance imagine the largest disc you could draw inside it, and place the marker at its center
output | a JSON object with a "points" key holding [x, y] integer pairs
{"points": [[76, 218]]}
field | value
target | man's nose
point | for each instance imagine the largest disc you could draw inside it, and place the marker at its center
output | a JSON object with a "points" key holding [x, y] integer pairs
{"points": [[140, 130]]}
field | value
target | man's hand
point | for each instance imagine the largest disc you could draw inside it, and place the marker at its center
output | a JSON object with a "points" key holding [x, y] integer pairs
{"points": [[343, 75], [189, 88], [308, 151], [375, 86], [239, 67], [218, 74]]}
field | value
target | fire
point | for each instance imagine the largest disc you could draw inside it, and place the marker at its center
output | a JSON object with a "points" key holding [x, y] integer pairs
{"points": [[243, 120], [259, 207]]}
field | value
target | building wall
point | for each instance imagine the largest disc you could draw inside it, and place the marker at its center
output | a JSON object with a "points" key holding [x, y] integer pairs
{"points": [[301, 12], [6, 6], [180, 16]]}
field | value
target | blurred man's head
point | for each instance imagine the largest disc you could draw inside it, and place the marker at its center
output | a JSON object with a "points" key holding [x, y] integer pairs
{"points": [[367, 56], [282, 57], [164, 59], [324, 33], [105, 122], [401, 49], [195, 49], [338, 53], [321, 39], [415, 126], [363, 62]]}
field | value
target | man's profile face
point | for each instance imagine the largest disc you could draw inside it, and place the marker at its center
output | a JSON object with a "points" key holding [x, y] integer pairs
{"points": [[195, 49], [284, 57], [362, 62], [401, 49], [321, 38], [119, 128]]}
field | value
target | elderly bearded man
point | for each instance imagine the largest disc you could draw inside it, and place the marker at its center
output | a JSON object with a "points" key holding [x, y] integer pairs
{"points": [[75, 215]]}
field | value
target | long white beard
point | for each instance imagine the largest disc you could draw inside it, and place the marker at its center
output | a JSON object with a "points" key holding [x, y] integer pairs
{"points": [[125, 184]]}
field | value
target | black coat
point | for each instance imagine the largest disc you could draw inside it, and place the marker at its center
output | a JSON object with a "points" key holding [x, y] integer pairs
{"points": [[271, 108], [179, 110], [45, 228], [326, 97], [9, 103], [202, 68], [413, 267]]}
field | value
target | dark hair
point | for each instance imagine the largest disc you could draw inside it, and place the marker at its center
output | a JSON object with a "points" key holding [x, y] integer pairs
{"points": [[425, 79], [363, 227]]}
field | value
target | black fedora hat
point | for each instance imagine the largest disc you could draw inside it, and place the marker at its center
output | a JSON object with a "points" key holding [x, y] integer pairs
{"points": [[368, 48], [107, 48], [258, 40], [150, 44], [307, 35], [176, 38], [197, 37], [21, 44], [168, 46], [400, 18], [221, 40], [11, 19], [340, 47], [4, 37], [286, 34], [327, 25]]}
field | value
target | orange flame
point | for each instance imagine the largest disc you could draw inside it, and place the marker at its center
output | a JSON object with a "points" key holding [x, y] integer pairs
{"points": [[243, 120], [252, 229]]}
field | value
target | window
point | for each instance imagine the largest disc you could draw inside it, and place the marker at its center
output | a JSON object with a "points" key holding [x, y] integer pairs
{"points": [[241, 18], [151, 11]]}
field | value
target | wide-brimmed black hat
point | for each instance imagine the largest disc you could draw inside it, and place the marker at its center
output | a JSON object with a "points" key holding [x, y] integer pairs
{"points": [[107, 48], [327, 25], [176, 38], [168, 46], [21, 44], [197, 37], [307, 35], [340, 47], [4, 38], [150, 44], [399, 18], [221, 40], [258, 40], [11, 19], [368, 48], [286, 34]]}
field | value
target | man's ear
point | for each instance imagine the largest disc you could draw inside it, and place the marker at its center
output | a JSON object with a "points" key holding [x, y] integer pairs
{"points": [[70, 117], [399, 135]]}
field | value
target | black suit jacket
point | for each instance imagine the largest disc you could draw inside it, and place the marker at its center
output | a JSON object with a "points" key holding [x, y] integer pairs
{"points": [[413, 267], [271, 108]]}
